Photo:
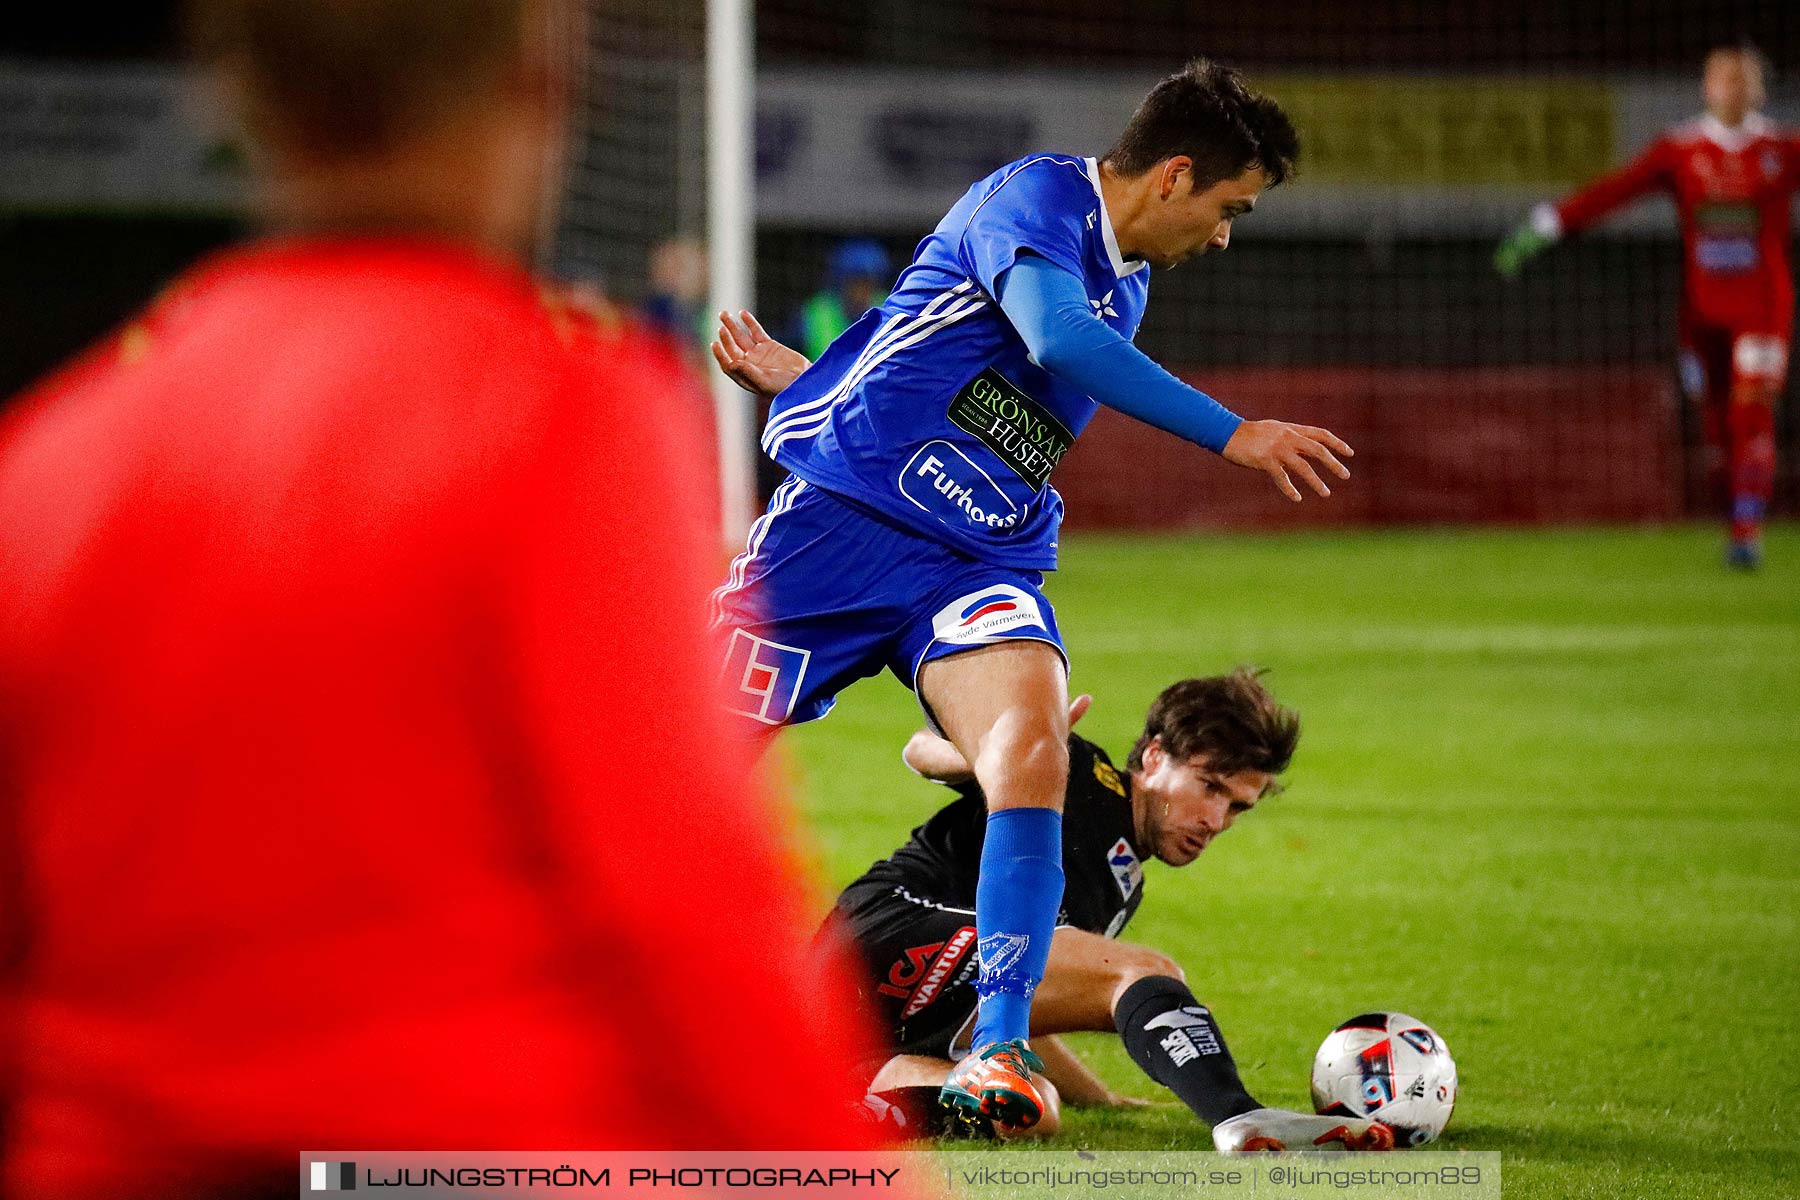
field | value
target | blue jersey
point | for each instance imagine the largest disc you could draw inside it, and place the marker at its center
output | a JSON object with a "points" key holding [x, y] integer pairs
{"points": [[929, 410]]}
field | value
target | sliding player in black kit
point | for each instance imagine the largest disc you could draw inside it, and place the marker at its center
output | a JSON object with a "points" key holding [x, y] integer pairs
{"points": [[1210, 749]]}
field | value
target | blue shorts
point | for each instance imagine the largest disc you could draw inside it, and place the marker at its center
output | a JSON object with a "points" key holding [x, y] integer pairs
{"points": [[826, 594]]}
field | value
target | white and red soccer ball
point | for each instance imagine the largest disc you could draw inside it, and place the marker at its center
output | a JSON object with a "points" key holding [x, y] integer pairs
{"points": [[1391, 1068]]}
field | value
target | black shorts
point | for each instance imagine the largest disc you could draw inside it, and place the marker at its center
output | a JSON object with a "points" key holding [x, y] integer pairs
{"points": [[918, 966]]}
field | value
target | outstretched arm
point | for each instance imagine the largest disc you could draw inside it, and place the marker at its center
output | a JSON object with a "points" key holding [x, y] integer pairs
{"points": [[1550, 223], [1048, 306], [1642, 175], [936, 758]]}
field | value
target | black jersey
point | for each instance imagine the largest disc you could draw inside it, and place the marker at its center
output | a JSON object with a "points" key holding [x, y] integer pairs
{"points": [[911, 917], [1102, 872]]}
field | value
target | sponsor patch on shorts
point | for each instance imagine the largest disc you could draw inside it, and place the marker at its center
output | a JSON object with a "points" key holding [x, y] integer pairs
{"points": [[764, 677], [987, 615], [1759, 356]]}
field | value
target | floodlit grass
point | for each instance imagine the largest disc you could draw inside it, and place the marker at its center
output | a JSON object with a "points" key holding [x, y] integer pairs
{"points": [[1547, 800]]}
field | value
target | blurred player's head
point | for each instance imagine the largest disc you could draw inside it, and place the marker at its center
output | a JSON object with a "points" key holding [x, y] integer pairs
{"points": [[1733, 83], [435, 116], [1211, 748], [859, 271], [1199, 150]]}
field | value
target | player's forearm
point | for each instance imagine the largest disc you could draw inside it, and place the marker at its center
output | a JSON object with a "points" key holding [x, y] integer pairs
{"points": [[936, 759], [1603, 196], [1121, 376], [1072, 1078], [1048, 307]]}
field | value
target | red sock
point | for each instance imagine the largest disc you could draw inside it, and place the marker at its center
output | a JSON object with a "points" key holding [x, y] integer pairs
{"points": [[1751, 454]]}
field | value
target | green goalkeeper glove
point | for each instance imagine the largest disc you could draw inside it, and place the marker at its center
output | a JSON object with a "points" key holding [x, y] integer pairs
{"points": [[1523, 243]]}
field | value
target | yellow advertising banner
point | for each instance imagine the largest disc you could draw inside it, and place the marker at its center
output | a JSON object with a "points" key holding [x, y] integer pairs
{"points": [[1485, 132]]}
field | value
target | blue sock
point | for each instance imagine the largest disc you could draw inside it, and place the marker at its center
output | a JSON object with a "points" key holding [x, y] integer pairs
{"points": [[1016, 902]]}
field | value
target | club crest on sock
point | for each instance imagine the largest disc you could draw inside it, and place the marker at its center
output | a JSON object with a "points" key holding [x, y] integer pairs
{"points": [[1001, 951]]}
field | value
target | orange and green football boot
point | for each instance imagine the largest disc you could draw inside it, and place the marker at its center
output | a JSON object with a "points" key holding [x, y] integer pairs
{"points": [[994, 1083]]}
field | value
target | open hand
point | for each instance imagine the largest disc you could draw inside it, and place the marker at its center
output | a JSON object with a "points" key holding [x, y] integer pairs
{"points": [[752, 359], [1524, 244], [1280, 450]]}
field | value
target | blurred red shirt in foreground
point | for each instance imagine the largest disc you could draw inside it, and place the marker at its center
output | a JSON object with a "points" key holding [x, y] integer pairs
{"points": [[358, 753]]}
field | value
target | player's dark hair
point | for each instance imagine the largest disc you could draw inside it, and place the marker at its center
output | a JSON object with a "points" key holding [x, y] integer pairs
{"points": [[350, 77], [1207, 112], [1231, 719]]}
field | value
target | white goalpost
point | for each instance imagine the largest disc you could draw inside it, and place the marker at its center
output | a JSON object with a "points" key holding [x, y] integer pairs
{"points": [[731, 238], [664, 157]]}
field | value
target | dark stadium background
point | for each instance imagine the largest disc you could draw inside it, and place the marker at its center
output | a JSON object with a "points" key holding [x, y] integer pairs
{"points": [[1392, 339]]}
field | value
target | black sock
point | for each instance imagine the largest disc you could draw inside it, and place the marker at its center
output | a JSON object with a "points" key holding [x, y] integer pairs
{"points": [[1175, 1040]]}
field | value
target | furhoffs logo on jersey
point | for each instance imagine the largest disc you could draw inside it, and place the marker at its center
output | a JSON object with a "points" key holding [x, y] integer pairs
{"points": [[1127, 871], [991, 614], [946, 483]]}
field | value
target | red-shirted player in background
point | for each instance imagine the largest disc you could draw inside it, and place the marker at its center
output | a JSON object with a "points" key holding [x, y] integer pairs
{"points": [[356, 713], [1732, 175]]}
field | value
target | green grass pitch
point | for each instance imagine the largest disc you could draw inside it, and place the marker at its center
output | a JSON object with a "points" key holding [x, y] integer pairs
{"points": [[1547, 800]]}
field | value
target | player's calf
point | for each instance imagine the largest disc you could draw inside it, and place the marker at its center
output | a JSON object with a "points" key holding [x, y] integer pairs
{"points": [[1758, 364], [1005, 707], [1174, 1038], [1133, 964]]}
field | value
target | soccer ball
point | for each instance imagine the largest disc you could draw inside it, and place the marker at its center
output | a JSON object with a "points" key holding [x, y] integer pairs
{"points": [[1391, 1068]]}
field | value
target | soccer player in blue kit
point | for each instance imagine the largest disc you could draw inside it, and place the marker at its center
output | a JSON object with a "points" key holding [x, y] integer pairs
{"points": [[918, 519]]}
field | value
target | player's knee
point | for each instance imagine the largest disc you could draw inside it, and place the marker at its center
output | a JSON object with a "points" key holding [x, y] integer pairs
{"points": [[1154, 965], [1135, 963], [1015, 767]]}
